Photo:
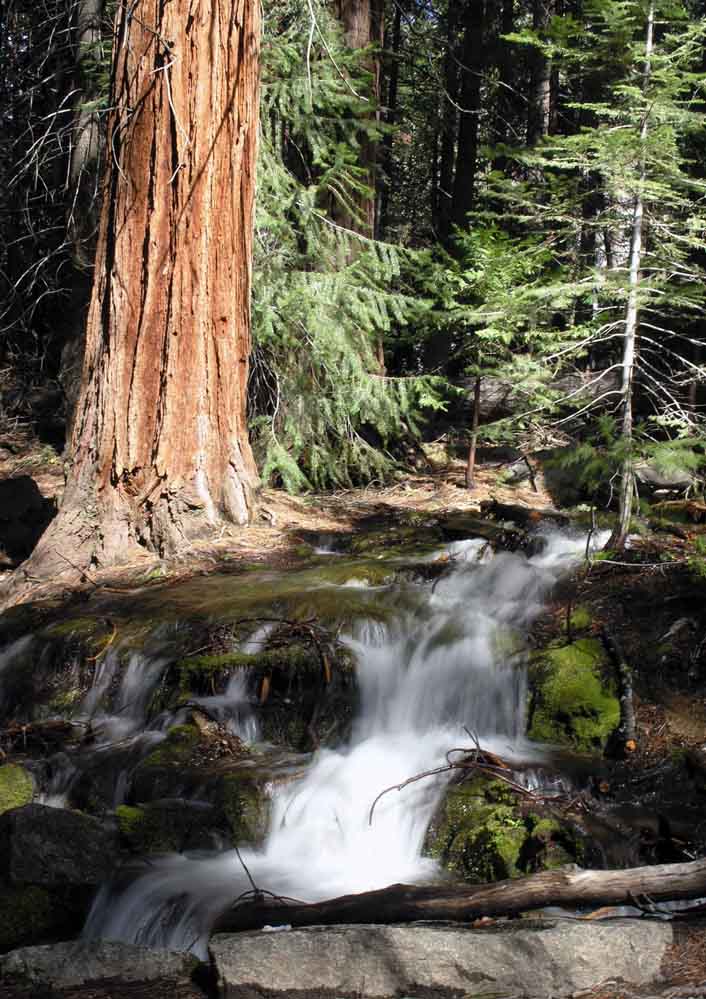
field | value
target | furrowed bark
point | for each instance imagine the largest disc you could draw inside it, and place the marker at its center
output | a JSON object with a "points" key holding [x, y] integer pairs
{"points": [[569, 886], [159, 452]]}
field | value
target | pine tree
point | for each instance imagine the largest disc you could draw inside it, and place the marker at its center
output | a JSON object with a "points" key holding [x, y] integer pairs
{"points": [[324, 293], [618, 208]]}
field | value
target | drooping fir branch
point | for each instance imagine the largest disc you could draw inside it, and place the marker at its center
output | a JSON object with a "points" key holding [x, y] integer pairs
{"points": [[323, 293]]}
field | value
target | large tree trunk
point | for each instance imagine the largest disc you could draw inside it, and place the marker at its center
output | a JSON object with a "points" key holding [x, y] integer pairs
{"points": [[159, 452], [448, 122], [540, 102], [386, 163], [627, 471], [83, 214], [569, 886], [473, 60], [363, 23]]}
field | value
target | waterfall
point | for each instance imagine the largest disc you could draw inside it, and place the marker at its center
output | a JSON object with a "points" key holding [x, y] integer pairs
{"points": [[448, 660]]}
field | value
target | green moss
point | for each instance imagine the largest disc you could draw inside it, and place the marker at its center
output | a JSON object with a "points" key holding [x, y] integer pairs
{"points": [[130, 820], [64, 701], [84, 626], [161, 827], [16, 787], [396, 541], [571, 704], [484, 834], [176, 748], [581, 619], [26, 915], [481, 832], [246, 810]]}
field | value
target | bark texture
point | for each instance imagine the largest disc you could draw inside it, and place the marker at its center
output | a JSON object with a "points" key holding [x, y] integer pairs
{"points": [[407, 903], [362, 22], [160, 453], [473, 64]]}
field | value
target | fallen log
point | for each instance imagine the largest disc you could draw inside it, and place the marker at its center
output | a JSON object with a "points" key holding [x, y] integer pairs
{"points": [[570, 886], [44, 734]]}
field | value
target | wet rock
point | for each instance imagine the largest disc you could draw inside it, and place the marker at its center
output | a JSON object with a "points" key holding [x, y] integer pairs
{"points": [[457, 525], [484, 833], [173, 824], [516, 472], [236, 799], [525, 958], [100, 969], [408, 540], [52, 847], [572, 702], [28, 914]]}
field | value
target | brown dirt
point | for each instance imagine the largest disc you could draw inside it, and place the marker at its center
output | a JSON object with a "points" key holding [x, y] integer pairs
{"points": [[275, 534]]}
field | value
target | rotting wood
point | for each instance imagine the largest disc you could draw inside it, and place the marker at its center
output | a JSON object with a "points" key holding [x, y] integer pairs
{"points": [[524, 516], [45, 734], [628, 727], [399, 903]]}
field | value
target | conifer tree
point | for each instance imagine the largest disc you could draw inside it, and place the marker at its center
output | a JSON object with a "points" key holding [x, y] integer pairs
{"points": [[626, 158]]}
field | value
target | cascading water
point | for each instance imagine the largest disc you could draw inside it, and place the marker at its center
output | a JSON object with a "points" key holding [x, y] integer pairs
{"points": [[447, 661], [117, 710]]}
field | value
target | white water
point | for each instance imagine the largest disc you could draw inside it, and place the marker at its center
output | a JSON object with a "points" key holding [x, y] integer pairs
{"points": [[450, 664]]}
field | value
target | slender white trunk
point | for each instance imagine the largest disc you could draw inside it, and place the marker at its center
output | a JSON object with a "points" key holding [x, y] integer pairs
{"points": [[627, 478]]}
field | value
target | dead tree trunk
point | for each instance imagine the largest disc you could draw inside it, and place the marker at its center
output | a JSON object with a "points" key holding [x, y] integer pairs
{"points": [[475, 419], [159, 451], [406, 903], [627, 472]]}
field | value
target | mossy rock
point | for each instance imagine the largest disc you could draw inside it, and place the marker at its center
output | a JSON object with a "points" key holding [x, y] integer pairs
{"points": [[246, 808], [408, 540], [83, 626], [480, 833], [290, 659], [16, 787], [483, 833], [168, 826], [572, 704], [177, 748], [27, 916], [580, 618]]}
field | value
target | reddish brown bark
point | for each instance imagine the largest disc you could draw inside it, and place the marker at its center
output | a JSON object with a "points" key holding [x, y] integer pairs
{"points": [[362, 22], [159, 452]]}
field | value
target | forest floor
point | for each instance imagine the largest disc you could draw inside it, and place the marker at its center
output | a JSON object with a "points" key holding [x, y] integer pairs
{"points": [[282, 519]]}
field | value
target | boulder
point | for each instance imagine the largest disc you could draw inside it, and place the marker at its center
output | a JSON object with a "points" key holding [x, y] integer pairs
{"points": [[100, 969], [55, 848], [573, 701], [483, 832], [655, 479], [521, 958]]}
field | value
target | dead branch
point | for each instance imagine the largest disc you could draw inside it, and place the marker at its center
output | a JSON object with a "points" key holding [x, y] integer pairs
{"points": [[569, 886]]}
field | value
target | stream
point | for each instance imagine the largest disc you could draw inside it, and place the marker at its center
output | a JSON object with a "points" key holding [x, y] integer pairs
{"points": [[447, 661]]}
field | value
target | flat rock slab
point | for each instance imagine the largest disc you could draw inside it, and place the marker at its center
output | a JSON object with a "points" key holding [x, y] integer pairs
{"points": [[520, 959], [100, 969]]}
